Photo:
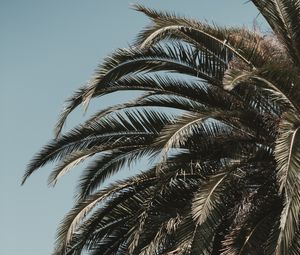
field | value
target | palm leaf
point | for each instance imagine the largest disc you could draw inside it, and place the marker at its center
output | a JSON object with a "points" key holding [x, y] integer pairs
{"points": [[207, 198], [75, 216], [107, 165], [283, 17], [288, 158]]}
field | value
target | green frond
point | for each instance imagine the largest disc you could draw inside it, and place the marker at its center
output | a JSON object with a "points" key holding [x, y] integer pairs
{"points": [[176, 134], [222, 42], [69, 162], [176, 58], [162, 203], [283, 17], [287, 155], [207, 198], [110, 132], [253, 224], [82, 209], [108, 164], [216, 116], [160, 240], [295, 245], [287, 152], [235, 77]]}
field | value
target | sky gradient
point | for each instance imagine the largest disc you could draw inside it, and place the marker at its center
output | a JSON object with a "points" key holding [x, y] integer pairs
{"points": [[49, 48]]}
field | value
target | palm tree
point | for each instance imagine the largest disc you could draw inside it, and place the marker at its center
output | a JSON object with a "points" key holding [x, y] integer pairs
{"points": [[218, 115]]}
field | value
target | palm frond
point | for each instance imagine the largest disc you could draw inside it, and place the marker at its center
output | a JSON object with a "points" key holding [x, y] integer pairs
{"points": [[288, 158], [160, 239], [108, 164], [75, 216], [234, 78], [222, 42], [207, 198], [176, 58], [112, 131], [217, 117], [69, 162], [283, 17]]}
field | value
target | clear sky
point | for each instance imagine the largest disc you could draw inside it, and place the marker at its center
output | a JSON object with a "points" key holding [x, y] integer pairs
{"points": [[48, 48]]}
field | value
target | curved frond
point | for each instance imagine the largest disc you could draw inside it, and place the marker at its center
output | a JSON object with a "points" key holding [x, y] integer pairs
{"points": [[283, 17], [80, 210], [207, 197], [108, 164], [110, 132], [287, 155], [216, 114]]}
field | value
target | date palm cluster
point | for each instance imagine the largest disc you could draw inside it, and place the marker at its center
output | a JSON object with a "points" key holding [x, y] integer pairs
{"points": [[217, 114]]}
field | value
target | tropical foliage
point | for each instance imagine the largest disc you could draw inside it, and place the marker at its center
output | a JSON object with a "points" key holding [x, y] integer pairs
{"points": [[217, 114]]}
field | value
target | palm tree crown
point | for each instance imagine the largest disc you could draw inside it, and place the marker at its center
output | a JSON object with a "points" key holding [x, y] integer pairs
{"points": [[218, 114]]}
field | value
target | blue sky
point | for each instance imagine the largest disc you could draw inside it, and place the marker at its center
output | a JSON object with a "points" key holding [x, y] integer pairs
{"points": [[48, 48]]}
